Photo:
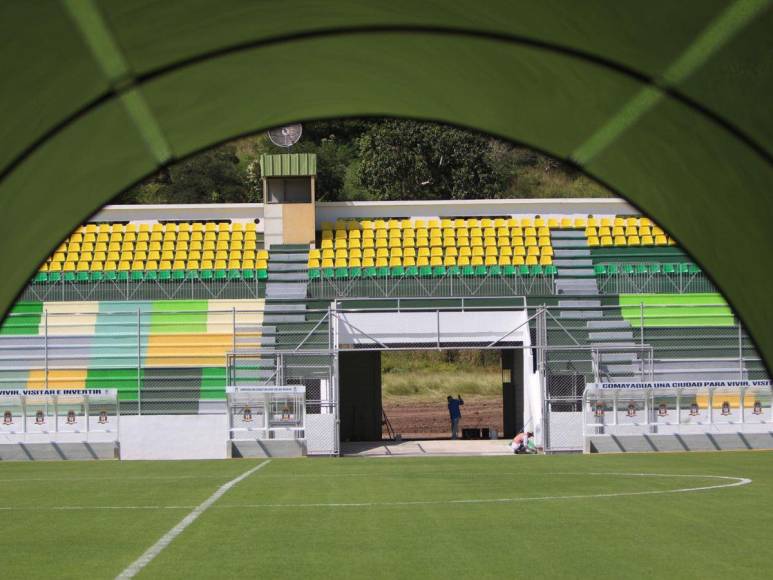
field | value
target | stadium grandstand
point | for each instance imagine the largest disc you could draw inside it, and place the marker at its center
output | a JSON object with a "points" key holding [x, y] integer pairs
{"points": [[177, 307]]}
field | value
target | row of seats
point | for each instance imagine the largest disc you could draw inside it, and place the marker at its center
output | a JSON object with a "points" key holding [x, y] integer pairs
{"points": [[173, 247], [511, 222], [626, 232], [429, 271], [668, 269]]}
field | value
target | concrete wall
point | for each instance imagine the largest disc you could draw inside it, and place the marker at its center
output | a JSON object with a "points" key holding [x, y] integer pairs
{"points": [[174, 437], [697, 442], [329, 212]]}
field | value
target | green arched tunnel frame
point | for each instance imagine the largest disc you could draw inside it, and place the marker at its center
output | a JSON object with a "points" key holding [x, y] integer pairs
{"points": [[666, 103]]}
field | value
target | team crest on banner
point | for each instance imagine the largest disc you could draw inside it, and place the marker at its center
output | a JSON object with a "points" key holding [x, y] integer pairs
{"points": [[102, 417], [247, 415], [757, 410], [71, 417], [725, 409], [662, 410], [40, 418], [631, 410], [7, 418], [694, 410]]}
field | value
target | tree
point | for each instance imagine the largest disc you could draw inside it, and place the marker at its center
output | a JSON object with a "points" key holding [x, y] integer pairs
{"points": [[411, 160], [209, 177]]}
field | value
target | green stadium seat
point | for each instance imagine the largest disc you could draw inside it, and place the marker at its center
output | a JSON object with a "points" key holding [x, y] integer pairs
{"points": [[151, 276], [509, 271], [137, 276], [341, 273], [600, 270], [524, 270], [248, 275], [412, 271], [206, 275], [628, 269], [536, 270], [641, 269], [97, 276], [262, 274], [684, 268], [221, 275], [192, 275], [453, 270], [693, 268], [495, 271], [54, 276], [655, 269], [382, 272], [82, 277], [111, 276], [355, 272], [551, 270], [314, 274], [612, 269], [234, 274], [468, 271], [669, 268], [480, 271], [70, 276], [164, 275], [425, 271], [123, 276], [40, 278], [369, 272], [397, 271], [328, 272], [439, 271]]}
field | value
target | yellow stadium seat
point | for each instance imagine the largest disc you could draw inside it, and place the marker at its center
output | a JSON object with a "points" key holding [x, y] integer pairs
{"points": [[580, 223], [592, 222], [618, 231], [219, 255], [516, 241], [395, 262], [591, 232], [123, 266], [91, 228], [355, 262], [192, 265], [532, 251], [531, 260], [435, 252], [545, 261], [477, 251], [463, 261], [476, 242], [546, 251], [645, 231], [543, 241], [354, 243], [219, 265], [645, 222], [671, 241], [232, 264], [491, 251], [657, 231], [631, 231], [263, 264], [110, 266], [396, 252], [519, 251], [505, 251], [422, 261], [530, 241], [606, 241], [619, 240], [543, 231], [490, 261], [366, 263], [503, 242], [504, 261], [618, 221], [380, 225], [382, 263], [633, 241], [207, 264], [313, 263], [97, 266], [476, 261], [539, 222], [409, 252], [606, 222], [518, 261], [184, 227], [223, 227], [554, 223], [82, 266], [472, 223], [632, 222], [465, 251], [382, 243], [647, 241], [605, 231]]}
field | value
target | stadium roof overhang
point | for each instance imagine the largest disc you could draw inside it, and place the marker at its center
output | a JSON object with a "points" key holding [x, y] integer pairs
{"points": [[668, 103]]}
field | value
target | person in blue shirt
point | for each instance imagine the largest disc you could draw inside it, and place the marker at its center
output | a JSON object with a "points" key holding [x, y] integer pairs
{"points": [[456, 414]]}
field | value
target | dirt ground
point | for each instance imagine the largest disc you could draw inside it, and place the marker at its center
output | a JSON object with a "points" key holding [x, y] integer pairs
{"points": [[422, 419]]}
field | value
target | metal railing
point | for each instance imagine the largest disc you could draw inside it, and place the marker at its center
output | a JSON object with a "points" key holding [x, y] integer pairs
{"points": [[642, 280]]}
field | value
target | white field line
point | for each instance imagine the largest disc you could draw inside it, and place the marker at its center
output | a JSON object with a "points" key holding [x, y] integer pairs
{"points": [[135, 567], [734, 482], [97, 478]]}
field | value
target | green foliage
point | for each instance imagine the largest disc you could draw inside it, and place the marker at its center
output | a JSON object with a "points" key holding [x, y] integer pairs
{"points": [[412, 160], [373, 159]]}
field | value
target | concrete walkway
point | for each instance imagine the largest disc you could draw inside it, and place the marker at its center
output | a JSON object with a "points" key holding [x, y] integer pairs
{"points": [[427, 448]]}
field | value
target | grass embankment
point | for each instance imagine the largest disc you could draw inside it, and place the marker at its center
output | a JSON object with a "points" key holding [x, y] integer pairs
{"points": [[432, 375]]}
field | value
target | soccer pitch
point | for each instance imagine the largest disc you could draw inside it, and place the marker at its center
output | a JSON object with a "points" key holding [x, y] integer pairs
{"points": [[679, 515]]}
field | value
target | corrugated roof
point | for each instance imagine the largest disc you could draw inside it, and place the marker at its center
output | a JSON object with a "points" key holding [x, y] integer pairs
{"points": [[288, 165]]}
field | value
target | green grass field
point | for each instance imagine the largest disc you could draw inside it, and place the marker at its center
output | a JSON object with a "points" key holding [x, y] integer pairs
{"points": [[436, 517]]}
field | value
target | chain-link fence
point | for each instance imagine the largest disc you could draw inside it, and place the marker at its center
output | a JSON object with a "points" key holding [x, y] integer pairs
{"points": [[122, 290], [650, 279], [433, 287]]}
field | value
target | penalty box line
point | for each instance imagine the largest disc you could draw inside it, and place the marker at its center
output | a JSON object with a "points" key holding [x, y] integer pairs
{"points": [[135, 567]]}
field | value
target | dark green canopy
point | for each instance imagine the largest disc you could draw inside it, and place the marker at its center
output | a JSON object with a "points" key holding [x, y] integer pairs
{"points": [[668, 103]]}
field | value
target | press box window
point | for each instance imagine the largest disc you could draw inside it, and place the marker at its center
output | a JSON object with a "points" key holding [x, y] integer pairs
{"points": [[289, 190]]}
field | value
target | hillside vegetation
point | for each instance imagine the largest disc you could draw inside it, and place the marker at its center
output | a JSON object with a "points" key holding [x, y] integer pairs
{"points": [[373, 159]]}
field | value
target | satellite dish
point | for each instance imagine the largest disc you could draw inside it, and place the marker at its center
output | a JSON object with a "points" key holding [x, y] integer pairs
{"points": [[286, 136]]}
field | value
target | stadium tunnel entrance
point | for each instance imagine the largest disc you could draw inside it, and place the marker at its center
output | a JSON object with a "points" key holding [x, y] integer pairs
{"points": [[366, 331]]}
